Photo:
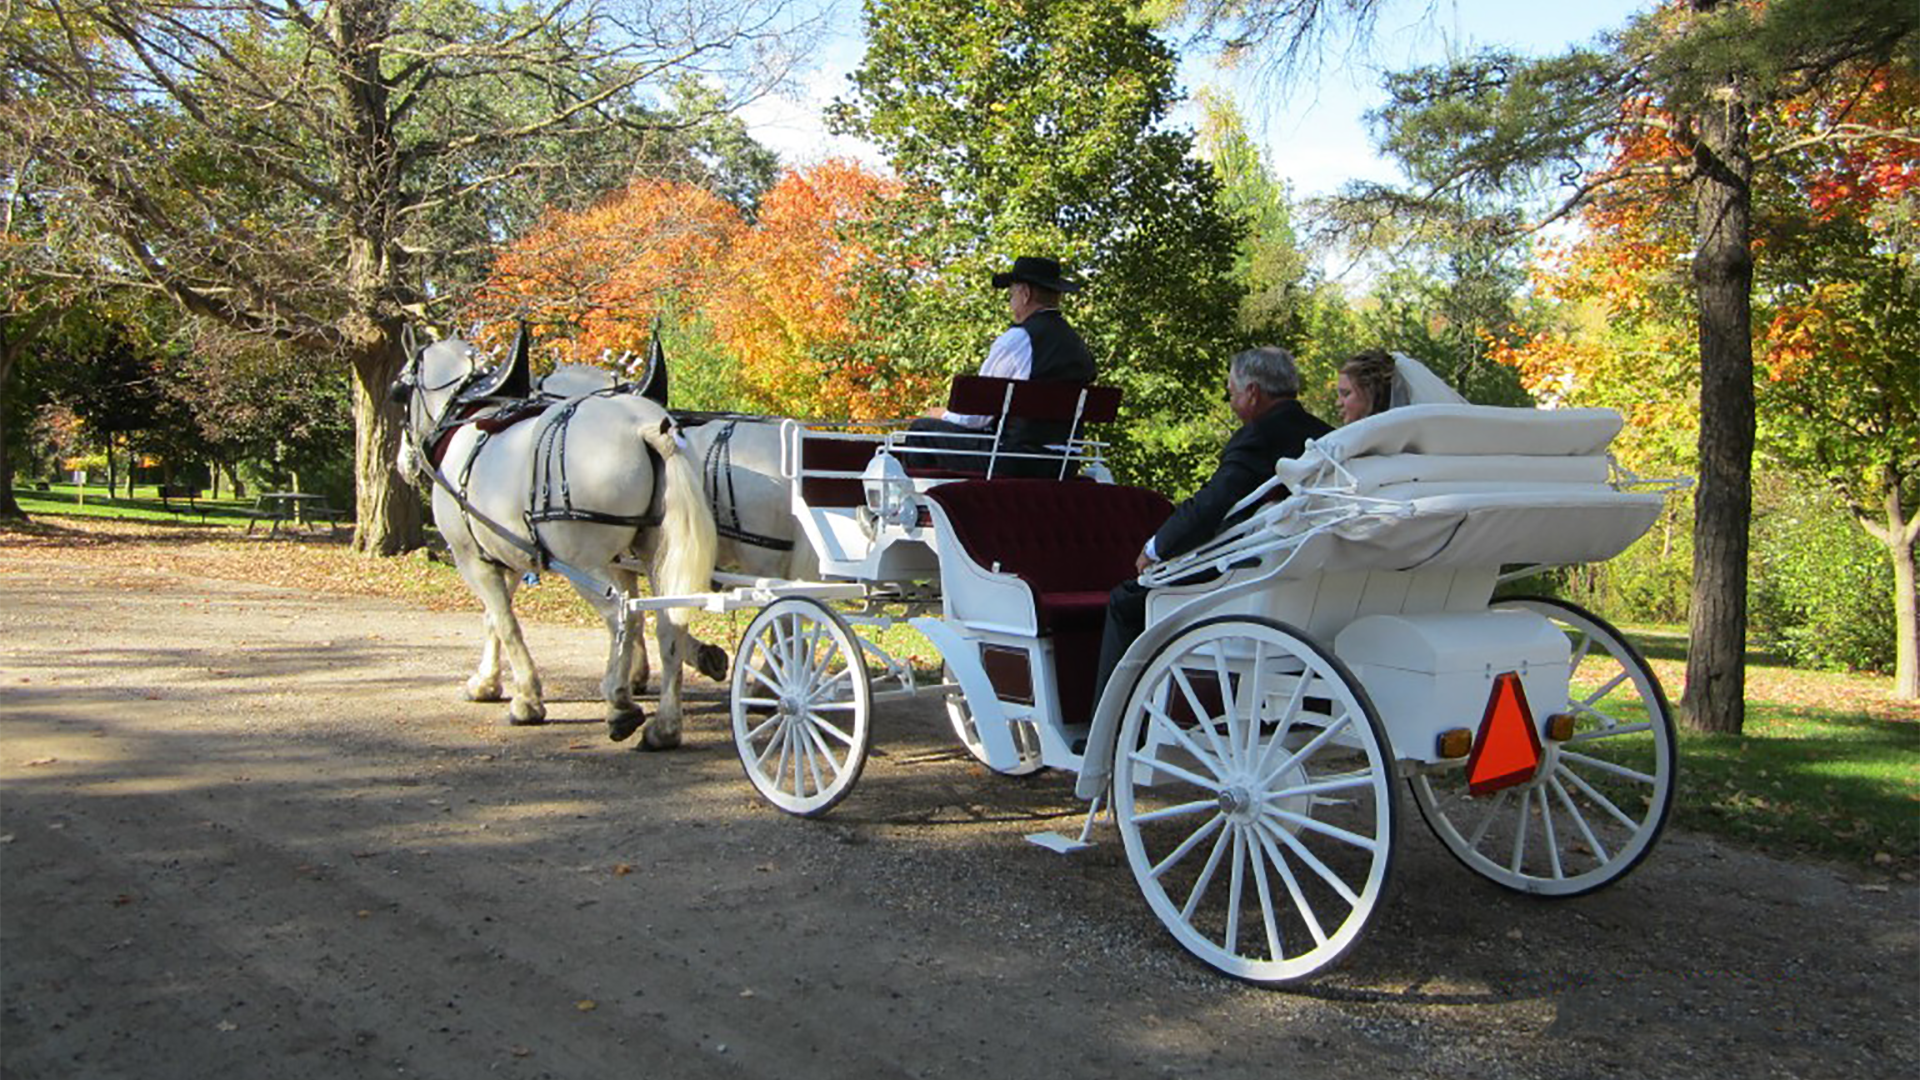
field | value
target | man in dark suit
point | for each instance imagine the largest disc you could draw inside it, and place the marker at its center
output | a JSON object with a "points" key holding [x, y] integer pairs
{"points": [[1040, 346], [1263, 386]]}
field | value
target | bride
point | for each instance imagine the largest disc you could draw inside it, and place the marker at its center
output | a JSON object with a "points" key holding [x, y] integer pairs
{"points": [[1374, 381]]}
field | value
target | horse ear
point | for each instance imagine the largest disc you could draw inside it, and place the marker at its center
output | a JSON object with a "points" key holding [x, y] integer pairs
{"points": [[666, 424]]}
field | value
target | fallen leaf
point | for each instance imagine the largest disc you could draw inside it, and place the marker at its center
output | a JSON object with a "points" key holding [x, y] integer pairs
{"points": [[363, 913], [621, 869], [586, 1004], [521, 1051], [40, 761], [226, 1025]]}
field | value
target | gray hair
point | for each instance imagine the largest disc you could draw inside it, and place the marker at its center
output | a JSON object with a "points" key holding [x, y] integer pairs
{"points": [[1268, 367]]}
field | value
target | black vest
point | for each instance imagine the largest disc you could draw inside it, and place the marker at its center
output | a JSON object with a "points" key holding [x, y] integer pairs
{"points": [[1058, 356]]}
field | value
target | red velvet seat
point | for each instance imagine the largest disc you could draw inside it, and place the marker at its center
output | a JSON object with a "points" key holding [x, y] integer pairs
{"points": [[1071, 542]]}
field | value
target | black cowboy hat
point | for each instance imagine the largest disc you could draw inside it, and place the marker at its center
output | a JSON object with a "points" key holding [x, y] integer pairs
{"points": [[1036, 271]]}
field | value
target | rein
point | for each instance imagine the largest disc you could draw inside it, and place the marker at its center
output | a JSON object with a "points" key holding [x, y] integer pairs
{"points": [[726, 513]]}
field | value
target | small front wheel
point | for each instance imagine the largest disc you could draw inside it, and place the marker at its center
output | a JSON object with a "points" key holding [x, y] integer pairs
{"points": [[1254, 791], [802, 701], [1026, 737]]}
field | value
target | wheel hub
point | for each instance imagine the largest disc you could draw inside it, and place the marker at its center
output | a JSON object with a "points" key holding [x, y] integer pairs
{"points": [[1237, 802]]}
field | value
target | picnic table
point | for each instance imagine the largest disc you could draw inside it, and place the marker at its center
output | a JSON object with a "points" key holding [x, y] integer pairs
{"points": [[293, 509]]}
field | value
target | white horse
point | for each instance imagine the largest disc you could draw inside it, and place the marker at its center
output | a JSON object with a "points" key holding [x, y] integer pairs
{"points": [[573, 486]]}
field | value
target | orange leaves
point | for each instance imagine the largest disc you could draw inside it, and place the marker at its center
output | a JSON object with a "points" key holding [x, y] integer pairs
{"points": [[778, 293], [604, 272]]}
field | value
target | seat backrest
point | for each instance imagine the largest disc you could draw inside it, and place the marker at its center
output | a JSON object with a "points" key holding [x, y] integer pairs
{"points": [[985, 395], [826, 453], [1058, 536]]}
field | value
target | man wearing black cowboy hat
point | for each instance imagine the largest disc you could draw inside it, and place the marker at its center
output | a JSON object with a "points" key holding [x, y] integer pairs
{"points": [[1040, 346]]}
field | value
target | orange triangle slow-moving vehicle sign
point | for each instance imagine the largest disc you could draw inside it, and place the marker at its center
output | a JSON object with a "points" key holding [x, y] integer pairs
{"points": [[1506, 750]]}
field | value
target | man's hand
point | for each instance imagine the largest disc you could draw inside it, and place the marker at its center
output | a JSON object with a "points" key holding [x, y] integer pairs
{"points": [[935, 413], [1140, 564]]}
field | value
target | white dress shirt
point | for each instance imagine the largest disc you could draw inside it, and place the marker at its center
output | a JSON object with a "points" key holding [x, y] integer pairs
{"points": [[1010, 357]]}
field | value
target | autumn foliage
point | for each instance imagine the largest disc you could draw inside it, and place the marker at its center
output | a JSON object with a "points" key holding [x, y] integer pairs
{"points": [[775, 293]]}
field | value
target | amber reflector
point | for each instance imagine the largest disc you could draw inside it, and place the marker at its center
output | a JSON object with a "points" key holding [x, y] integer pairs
{"points": [[1560, 726], [1455, 742], [1507, 749]]}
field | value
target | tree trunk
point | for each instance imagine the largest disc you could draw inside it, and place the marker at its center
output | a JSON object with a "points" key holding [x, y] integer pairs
{"points": [[1715, 697], [387, 516], [1902, 530], [9, 506]]}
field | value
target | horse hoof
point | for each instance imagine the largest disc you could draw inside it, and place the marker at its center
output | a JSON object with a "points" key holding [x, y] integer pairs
{"points": [[484, 694], [527, 715], [657, 740], [711, 661], [621, 726]]}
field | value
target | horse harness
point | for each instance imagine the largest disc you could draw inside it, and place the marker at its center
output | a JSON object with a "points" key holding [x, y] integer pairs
{"points": [[724, 501], [550, 495]]}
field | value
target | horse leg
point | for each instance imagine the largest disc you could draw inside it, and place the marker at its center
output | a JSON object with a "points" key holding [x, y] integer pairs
{"points": [[624, 715], [637, 682], [484, 684], [494, 586], [664, 732]]}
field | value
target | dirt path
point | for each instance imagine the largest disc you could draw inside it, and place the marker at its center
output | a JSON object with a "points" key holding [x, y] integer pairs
{"points": [[247, 832]]}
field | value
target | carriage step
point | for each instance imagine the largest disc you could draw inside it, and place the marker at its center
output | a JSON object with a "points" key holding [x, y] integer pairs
{"points": [[1059, 843], [1062, 844]]}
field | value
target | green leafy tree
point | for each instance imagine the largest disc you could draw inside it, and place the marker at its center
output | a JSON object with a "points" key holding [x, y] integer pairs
{"points": [[321, 174], [1040, 126]]}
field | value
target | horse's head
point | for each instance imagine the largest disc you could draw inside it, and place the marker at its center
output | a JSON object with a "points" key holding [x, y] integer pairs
{"points": [[433, 377]]}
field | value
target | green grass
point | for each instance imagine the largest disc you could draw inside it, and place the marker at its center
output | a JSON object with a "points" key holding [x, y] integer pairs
{"points": [[1826, 765], [67, 500]]}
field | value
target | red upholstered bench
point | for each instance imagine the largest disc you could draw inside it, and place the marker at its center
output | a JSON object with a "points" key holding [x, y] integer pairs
{"points": [[1071, 542]]}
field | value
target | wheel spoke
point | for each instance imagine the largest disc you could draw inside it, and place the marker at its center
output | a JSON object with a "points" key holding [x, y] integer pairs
{"points": [[1300, 903], [1589, 791], [1605, 689], [1306, 855], [1607, 766], [1283, 724], [1487, 819], [1236, 888], [1579, 819], [1139, 758], [753, 736], [1165, 723], [1552, 840], [1256, 858], [1250, 689], [1199, 889], [1610, 731], [1186, 846], [1198, 806], [1237, 739], [1321, 827], [1312, 747], [1520, 831], [761, 676], [1202, 718], [1342, 782]]}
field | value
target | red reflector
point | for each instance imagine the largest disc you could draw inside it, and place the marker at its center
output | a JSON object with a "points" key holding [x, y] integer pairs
{"points": [[1507, 749]]}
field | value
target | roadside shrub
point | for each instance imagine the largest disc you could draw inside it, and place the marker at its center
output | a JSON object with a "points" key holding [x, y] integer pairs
{"points": [[1821, 590]]}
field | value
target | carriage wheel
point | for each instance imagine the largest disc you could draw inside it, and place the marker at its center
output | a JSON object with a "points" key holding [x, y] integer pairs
{"points": [[802, 699], [1026, 737], [1600, 798], [1258, 820]]}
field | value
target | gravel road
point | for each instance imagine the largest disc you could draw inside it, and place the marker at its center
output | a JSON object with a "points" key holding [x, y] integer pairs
{"points": [[251, 832]]}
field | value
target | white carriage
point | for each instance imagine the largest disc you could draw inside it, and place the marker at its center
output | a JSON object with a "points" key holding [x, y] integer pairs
{"points": [[1294, 671]]}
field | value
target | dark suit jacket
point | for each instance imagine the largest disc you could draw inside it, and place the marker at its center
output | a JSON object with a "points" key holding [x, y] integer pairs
{"points": [[1245, 464]]}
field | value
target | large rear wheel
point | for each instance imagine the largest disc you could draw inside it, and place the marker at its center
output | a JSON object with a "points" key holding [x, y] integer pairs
{"points": [[802, 701], [1599, 800], [1253, 789]]}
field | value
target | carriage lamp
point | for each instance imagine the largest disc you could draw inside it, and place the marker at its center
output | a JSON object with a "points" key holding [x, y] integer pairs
{"points": [[1455, 742], [1560, 726]]}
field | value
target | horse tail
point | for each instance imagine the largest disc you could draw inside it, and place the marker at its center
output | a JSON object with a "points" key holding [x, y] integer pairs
{"points": [[685, 563]]}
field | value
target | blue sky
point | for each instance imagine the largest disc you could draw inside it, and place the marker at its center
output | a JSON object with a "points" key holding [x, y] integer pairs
{"points": [[1314, 135]]}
